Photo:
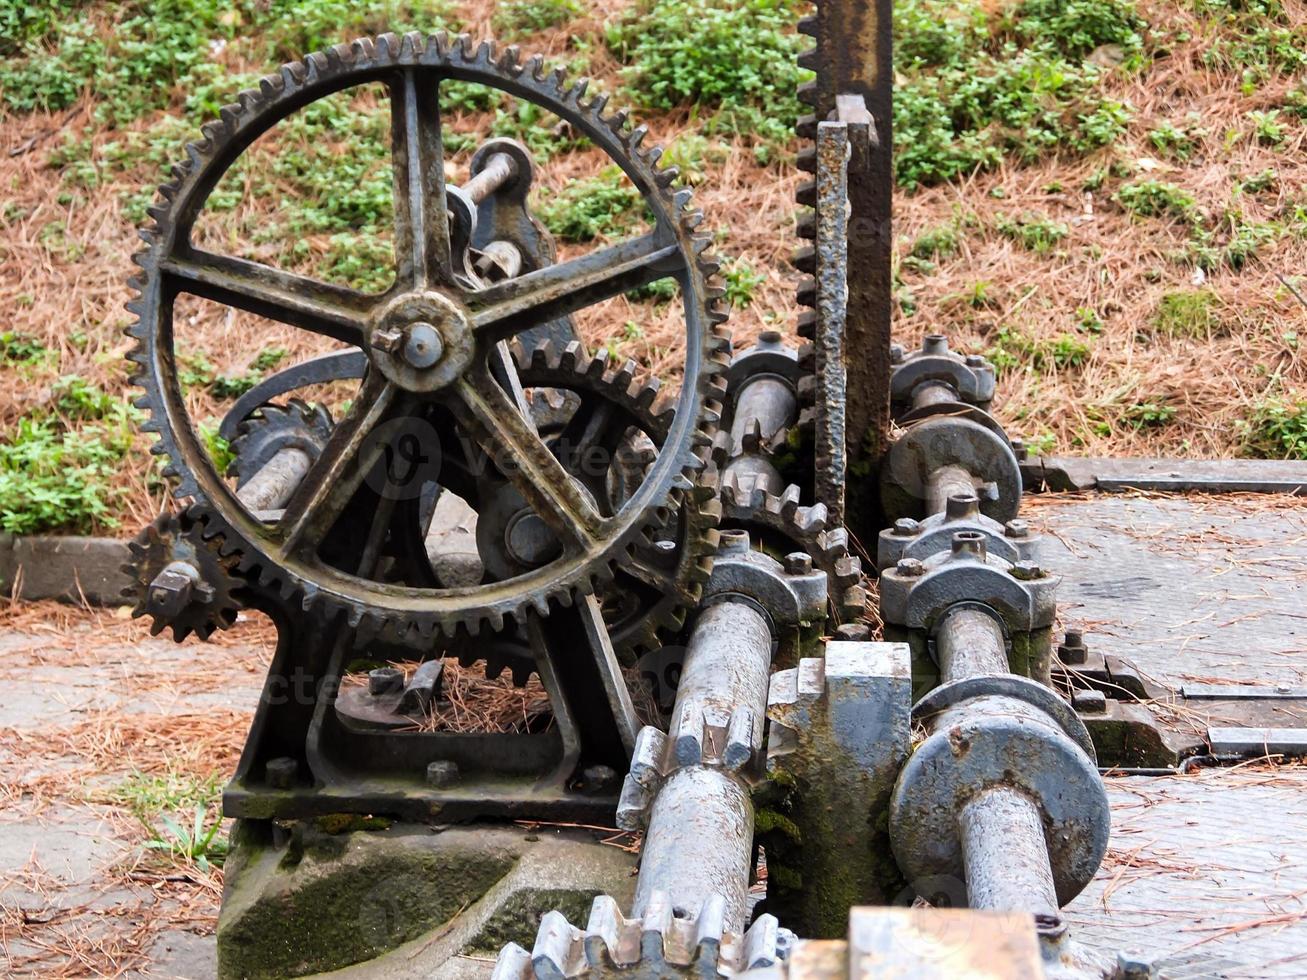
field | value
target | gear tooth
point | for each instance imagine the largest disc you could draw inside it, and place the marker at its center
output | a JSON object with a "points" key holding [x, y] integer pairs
{"points": [[571, 355], [652, 156], [637, 137], [809, 59], [464, 47], [598, 365], [577, 91], [485, 53], [666, 177], [508, 60], [808, 25], [535, 67], [618, 120], [808, 94], [597, 104]]}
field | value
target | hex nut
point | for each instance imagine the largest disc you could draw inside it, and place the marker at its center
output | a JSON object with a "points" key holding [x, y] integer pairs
{"points": [[281, 772], [442, 772], [906, 526], [1027, 570], [385, 680], [1016, 528], [798, 563], [911, 567], [1091, 702]]}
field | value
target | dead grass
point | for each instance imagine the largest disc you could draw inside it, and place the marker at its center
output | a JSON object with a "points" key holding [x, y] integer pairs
{"points": [[1116, 265]]}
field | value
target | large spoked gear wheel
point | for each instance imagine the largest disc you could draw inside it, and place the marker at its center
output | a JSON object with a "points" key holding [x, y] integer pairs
{"points": [[600, 408], [779, 525], [201, 593], [434, 305]]}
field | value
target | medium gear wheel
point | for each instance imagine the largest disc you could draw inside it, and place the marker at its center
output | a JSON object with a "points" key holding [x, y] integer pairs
{"points": [[212, 589], [272, 428], [655, 946], [292, 557], [779, 525], [652, 591]]}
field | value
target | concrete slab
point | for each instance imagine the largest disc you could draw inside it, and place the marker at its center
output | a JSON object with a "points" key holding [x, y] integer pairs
{"points": [[1186, 588]]}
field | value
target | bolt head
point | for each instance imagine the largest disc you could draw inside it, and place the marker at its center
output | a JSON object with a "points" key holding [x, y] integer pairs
{"points": [[1089, 702], [1026, 570], [422, 345], [970, 543], [934, 343], [961, 506], [896, 353], [975, 361], [1016, 528], [388, 341], [769, 337], [281, 772], [906, 526], [798, 563], [911, 567]]}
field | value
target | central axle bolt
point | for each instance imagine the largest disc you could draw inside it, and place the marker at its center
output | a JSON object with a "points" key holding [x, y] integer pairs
{"points": [[530, 540], [423, 346], [969, 543]]}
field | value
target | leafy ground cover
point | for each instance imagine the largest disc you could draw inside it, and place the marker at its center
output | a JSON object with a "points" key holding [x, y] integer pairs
{"points": [[1109, 197]]}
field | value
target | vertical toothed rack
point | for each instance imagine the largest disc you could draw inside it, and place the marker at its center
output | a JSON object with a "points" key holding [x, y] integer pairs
{"points": [[850, 292]]}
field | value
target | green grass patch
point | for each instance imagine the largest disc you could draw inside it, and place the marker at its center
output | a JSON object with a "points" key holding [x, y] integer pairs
{"points": [[939, 242], [1033, 232], [1276, 429], [524, 16], [742, 280], [1177, 142], [583, 210], [1187, 313], [1148, 414], [736, 58], [1157, 199], [975, 87], [1015, 349]]}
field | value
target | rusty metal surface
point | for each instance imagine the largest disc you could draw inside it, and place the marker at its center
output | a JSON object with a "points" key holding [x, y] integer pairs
{"points": [[1204, 875], [1202, 589], [832, 285]]}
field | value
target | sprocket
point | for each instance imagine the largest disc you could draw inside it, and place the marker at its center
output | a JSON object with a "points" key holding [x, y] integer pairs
{"points": [[272, 428], [213, 597], [780, 525], [290, 556]]}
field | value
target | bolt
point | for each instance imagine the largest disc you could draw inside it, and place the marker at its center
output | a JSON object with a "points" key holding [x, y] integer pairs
{"points": [[442, 772], [665, 547], [857, 632], [906, 526], [1026, 570], [733, 542], [970, 543], [423, 346], [596, 779], [281, 772], [1130, 967], [896, 353], [1019, 447], [1016, 528], [389, 340], [934, 343], [975, 361], [1089, 702], [530, 540], [798, 563], [1072, 649], [1282, 688], [769, 338], [385, 680], [911, 567], [172, 588], [961, 506]]}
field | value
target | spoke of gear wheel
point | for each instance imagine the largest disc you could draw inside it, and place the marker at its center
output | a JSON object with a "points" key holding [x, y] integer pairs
{"points": [[651, 591], [430, 293], [780, 526], [213, 595]]}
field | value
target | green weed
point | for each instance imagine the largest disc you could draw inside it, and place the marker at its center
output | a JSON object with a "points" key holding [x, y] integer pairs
{"points": [[524, 16], [1267, 128], [18, 348], [1157, 199], [1032, 232], [198, 843], [1188, 313], [1148, 414], [585, 209], [1088, 320], [1013, 348], [741, 282], [1178, 143], [1276, 429], [1264, 181], [147, 794], [940, 242], [734, 56]]}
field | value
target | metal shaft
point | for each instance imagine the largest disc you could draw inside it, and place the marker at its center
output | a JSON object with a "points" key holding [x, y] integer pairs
{"points": [[945, 482], [970, 643], [934, 393], [271, 487], [700, 837], [1006, 855], [764, 408], [499, 169]]}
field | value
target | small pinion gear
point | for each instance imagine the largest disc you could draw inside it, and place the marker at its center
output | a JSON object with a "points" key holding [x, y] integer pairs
{"points": [[181, 581]]}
